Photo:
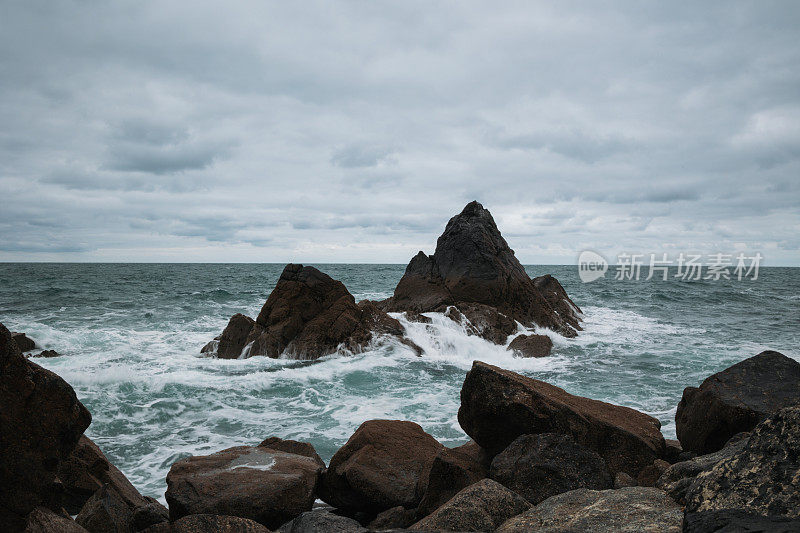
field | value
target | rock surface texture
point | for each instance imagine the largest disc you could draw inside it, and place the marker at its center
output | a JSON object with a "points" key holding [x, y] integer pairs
{"points": [[630, 510], [762, 478], [735, 400], [539, 466], [384, 464], [268, 486], [41, 421], [452, 470], [475, 270], [531, 345], [497, 406]]}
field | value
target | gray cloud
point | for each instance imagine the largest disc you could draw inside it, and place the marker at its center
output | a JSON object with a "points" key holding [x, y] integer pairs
{"points": [[273, 131]]}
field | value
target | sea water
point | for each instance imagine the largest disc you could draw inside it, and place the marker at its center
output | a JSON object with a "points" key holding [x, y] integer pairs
{"points": [[131, 335]]}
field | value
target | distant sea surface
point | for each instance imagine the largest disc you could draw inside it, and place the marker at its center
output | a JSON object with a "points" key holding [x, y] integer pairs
{"points": [[131, 335]]}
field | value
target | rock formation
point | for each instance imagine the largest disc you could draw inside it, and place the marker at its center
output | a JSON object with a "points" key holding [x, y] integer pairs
{"points": [[474, 270], [531, 345], [735, 400], [497, 406], [452, 470]]}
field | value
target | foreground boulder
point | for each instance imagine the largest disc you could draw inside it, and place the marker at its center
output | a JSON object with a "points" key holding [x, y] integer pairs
{"points": [[539, 466], [268, 486], [43, 520], [497, 406], [531, 345], [41, 421], [452, 470], [735, 400], [630, 509], [306, 316], [383, 465], [473, 264], [480, 507], [762, 478]]}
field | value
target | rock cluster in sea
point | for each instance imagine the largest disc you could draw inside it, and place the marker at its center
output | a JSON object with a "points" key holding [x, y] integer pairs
{"points": [[473, 278]]}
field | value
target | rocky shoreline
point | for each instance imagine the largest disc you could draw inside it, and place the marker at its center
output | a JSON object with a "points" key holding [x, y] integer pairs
{"points": [[539, 458]]}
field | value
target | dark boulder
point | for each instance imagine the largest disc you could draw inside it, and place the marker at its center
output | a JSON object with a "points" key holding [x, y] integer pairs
{"points": [[452, 470], [206, 523], [482, 506], [672, 451], [41, 421], [106, 512], [265, 485], [497, 406], [24, 343], [531, 345], [539, 466], [735, 400], [650, 474], [623, 480], [395, 518], [484, 321], [305, 449], [47, 354], [678, 478], [627, 510], [384, 464], [737, 521], [43, 520], [557, 297], [322, 521], [761, 478], [473, 264], [234, 337]]}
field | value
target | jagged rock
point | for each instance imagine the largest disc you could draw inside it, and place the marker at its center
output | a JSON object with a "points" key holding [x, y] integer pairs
{"points": [[306, 316], [531, 345], [735, 400], [539, 466], [623, 480], [737, 521], [482, 506], [473, 264], [148, 514], [322, 522], [41, 421], [497, 406], [678, 478], [106, 512], [452, 470], [47, 354], [761, 478], [630, 509], [384, 464], [43, 520], [305, 449], [261, 484], [24, 343], [395, 518], [649, 475], [557, 297]]}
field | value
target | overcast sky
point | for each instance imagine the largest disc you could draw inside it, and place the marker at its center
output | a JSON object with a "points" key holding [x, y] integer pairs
{"points": [[351, 131]]}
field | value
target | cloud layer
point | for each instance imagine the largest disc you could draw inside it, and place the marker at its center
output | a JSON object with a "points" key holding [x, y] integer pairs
{"points": [[351, 132]]}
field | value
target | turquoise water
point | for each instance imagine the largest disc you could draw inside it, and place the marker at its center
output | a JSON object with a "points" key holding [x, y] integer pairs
{"points": [[130, 335]]}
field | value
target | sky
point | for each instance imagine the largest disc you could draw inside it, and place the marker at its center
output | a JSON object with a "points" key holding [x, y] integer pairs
{"points": [[352, 131]]}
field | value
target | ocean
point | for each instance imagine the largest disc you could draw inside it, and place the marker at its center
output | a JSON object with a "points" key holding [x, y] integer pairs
{"points": [[130, 337]]}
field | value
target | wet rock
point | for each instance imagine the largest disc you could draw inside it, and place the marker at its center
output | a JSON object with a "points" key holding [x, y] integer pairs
{"points": [[43, 520], [473, 264], [395, 518], [761, 478], [557, 297], [265, 485], [305, 449], [384, 464], [234, 336], [24, 343], [737, 521], [623, 480], [630, 509], [678, 478], [649, 475], [48, 354], [735, 400], [322, 522], [539, 466], [482, 506], [41, 421], [531, 345], [497, 406], [486, 322], [452, 470]]}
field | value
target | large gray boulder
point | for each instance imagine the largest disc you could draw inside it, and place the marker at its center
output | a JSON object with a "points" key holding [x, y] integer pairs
{"points": [[539, 466], [480, 507], [625, 510], [762, 478], [268, 486], [735, 400]]}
